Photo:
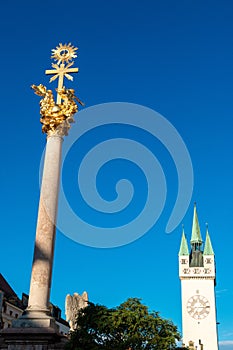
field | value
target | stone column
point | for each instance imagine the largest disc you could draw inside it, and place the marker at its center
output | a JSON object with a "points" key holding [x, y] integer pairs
{"points": [[46, 225], [37, 312], [36, 329]]}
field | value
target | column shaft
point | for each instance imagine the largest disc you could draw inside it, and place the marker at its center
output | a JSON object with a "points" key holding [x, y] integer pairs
{"points": [[46, 225]]}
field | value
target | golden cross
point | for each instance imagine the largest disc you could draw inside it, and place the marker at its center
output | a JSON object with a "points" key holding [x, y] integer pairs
{"points": [[60, 72]]}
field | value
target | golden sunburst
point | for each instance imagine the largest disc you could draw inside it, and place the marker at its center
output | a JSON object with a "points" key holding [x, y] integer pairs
{"points": [[64, 53]]}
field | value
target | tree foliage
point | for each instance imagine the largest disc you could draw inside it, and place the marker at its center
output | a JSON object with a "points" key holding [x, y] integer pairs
{"points": [[130, 326]]}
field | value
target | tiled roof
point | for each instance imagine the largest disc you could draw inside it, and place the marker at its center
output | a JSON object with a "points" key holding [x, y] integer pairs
{"points": [[6, 288], [9, 294]]}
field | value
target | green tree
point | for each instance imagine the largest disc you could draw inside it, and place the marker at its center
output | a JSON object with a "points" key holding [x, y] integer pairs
{"points": [[130, 326]]}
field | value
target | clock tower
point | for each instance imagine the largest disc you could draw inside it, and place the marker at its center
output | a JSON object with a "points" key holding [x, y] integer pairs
{"points": [[197, 275]]}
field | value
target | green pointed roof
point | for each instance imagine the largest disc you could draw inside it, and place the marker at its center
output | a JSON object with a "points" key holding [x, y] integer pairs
{"points": [[184, 250], [208, 250], [196, 232]]}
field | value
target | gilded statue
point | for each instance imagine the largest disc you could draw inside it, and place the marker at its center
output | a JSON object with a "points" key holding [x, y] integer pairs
{"points": [[57, 116]]}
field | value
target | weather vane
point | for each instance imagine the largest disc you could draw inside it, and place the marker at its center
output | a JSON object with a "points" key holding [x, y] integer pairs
{"points": [[57, 116]]}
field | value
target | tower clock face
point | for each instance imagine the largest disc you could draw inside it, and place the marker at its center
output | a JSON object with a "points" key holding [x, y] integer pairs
{"points": [[198, 307]]}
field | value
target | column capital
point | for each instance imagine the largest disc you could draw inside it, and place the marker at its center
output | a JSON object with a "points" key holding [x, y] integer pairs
{"points": [[61, 130]]}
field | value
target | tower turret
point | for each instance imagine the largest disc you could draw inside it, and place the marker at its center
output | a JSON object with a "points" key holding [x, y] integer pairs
{"points": [[208, 250], [208, 257], [184, 250], [183, 255], [196, 256]]}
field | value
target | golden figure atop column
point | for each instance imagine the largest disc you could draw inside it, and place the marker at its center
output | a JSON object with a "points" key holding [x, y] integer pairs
{"points": [[57, 116]]}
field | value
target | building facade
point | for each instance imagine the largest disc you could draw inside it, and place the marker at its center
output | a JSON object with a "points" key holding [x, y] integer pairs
{"points": [[198, 279], [11, 307]]}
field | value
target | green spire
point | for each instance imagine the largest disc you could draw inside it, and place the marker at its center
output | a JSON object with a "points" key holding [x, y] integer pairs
{"points": [[196, 232], [208, 250], [184, 250]]}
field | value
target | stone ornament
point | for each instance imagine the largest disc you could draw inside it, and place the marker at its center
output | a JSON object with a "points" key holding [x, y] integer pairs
{"points": [[72, 306]]}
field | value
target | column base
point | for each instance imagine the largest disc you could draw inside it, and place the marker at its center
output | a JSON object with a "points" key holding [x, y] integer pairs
{"points": [[31, 339], [35, 319]]}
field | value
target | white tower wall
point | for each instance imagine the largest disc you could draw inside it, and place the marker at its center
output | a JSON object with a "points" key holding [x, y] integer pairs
{"points": [[199, 328]]}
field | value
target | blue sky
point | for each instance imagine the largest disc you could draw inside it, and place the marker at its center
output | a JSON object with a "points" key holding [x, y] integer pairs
{"points": [[173, 57]]}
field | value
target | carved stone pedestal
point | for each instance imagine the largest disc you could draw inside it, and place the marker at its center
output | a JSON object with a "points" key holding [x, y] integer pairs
{"points": [[31, 339]]}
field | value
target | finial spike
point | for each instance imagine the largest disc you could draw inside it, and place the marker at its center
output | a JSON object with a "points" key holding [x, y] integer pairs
{"points": [[196, 232]]}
